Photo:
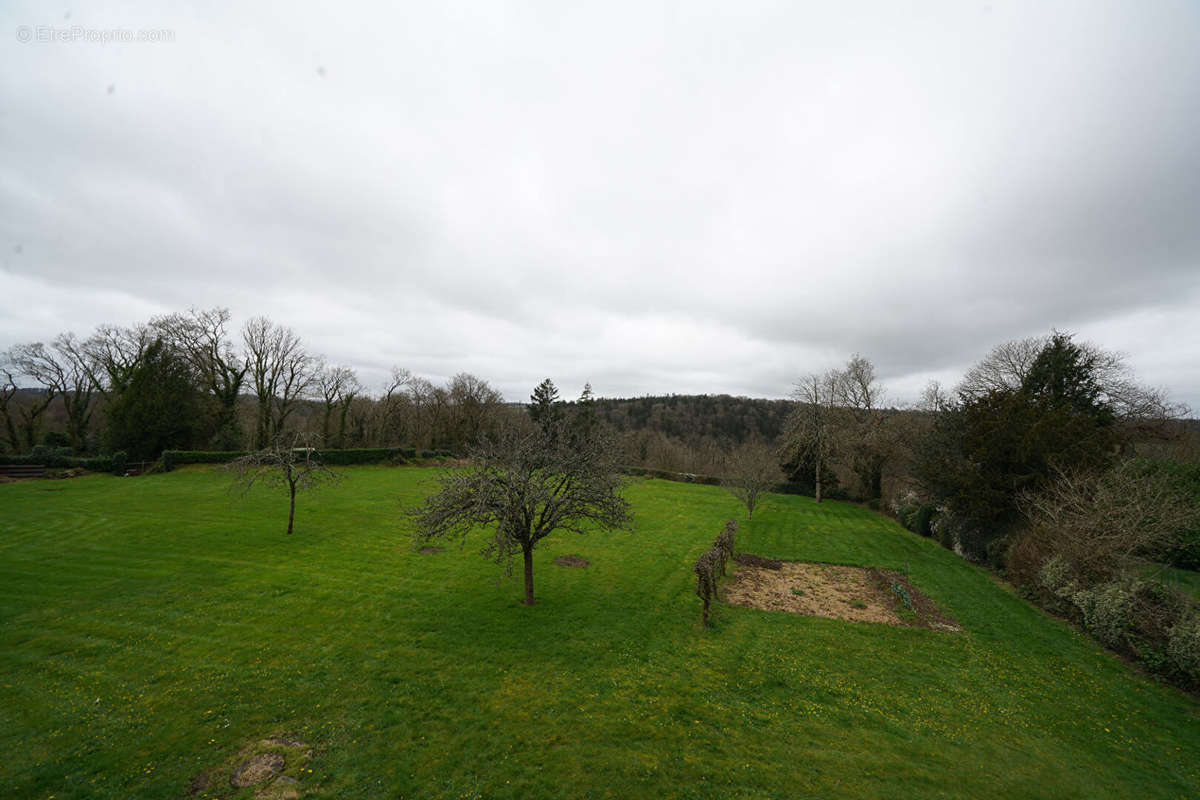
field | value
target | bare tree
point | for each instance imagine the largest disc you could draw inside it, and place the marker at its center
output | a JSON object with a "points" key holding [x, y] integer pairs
{"points": [[337, 386], [1005, 368], [113, 354], [28, 413], [476, 407], [868, 436], [8, 391], [934, 398], [281, 372], [527, 484], [809, 429], [203, 337], [62, 370], [1102, 523], [395, 406], [749, 471], [294, 465]]}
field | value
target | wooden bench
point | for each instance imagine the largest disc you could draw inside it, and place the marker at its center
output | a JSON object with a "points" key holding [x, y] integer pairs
{"points": [[23, 470]]}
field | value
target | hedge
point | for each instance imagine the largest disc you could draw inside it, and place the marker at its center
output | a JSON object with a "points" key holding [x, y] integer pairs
{"points": [[55, 459], [712, 480], [365, 455]]}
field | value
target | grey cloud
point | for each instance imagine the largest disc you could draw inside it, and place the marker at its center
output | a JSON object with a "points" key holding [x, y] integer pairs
{"points": [[653, 198]]}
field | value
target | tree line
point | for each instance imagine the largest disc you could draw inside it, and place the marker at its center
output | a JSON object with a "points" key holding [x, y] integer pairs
{"points": [[188, 381]]}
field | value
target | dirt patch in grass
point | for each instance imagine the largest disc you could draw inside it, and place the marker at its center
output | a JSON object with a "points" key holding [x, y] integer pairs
{"points": [[857, 594], [751, 560], [926, 612], [430, 549], [571, 561], [276, 767]]}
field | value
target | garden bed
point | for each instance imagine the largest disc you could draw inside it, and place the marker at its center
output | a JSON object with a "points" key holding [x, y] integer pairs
{"points": [[857, 594]]}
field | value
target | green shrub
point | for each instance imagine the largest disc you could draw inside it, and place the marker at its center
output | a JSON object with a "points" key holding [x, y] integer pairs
{"points": [[923, 519], [373, 455], [1055, 577], [1107, 611], [56, 459], [945, 528], [56, 440], [1183, 646], [365, 455], [117, 466], [177, 457]]}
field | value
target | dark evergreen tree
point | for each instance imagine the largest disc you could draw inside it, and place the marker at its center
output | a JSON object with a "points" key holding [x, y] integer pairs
{"points": [[584, 423], [983, 453], [160, 408], [545, 408]]}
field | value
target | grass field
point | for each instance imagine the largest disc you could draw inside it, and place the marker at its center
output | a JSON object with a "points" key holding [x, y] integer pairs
{"points": [[150, 627]]}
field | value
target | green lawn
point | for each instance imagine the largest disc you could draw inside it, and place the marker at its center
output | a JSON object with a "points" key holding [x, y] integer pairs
{"points": [[150, 627]]}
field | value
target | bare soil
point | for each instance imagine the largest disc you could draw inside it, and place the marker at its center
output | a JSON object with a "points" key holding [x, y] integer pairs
{"points": [[751, 560], [572, 561], [259, 768], [274, 766], [857, 594], [430, 549]]}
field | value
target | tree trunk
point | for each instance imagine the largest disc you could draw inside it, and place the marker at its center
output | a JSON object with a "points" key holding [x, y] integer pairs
{"points": [[817, 480], [292, 511], [528, 576]]}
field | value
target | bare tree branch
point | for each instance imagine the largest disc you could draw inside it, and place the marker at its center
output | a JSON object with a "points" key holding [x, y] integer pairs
{"points": [[525, 484], [295, 465]]}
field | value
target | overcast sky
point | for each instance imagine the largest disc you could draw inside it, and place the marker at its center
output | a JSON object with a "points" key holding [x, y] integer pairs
{"points": [[684, 197]]}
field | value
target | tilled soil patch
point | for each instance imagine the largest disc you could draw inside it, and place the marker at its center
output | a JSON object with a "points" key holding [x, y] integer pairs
{"points": [[835, 591]]}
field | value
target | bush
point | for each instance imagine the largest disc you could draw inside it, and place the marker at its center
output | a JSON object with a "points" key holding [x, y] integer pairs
{"points": [[55, 458], [178, 457], [118, 462], [1183, 646], [1107, 611], [366, 455], [56, 440], [923, 519], [373, 455], [945, 528], [1056, 577]]}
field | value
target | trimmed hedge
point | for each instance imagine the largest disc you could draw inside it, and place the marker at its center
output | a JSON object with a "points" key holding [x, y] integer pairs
{"points": [[340, 458], [711, 480], [373, 455], [61, 457], [54, 459], [174, 458]]}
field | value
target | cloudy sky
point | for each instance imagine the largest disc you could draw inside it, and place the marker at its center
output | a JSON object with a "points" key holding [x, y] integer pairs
{"points": [[657, 198]]}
